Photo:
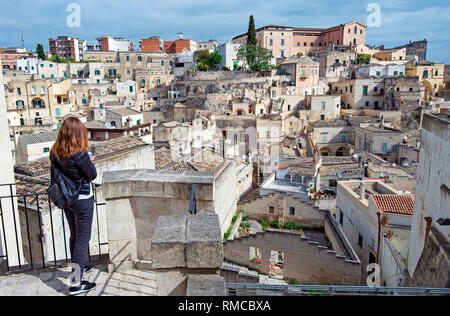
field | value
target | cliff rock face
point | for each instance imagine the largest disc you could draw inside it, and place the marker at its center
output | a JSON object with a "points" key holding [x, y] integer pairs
{"points": [[433, 269]]}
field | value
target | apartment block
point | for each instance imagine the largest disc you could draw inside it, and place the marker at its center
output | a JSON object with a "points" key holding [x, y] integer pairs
{"points": [[116, 44], [68, 47], [152, 44]]}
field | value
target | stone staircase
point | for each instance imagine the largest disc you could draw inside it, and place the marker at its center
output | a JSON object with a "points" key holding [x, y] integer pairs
{"points": [[263, 279]]}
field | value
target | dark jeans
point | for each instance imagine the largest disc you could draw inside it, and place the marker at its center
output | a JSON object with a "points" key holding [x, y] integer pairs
{"points": [[79, 217]]}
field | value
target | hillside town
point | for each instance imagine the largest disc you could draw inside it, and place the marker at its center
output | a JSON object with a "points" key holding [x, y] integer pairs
{"points": [[295, 155]]}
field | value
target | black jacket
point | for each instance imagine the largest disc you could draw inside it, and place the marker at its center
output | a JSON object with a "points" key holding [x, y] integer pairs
{"points": [[79, 169]]}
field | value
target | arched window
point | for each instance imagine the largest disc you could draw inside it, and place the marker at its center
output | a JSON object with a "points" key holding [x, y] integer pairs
{"points": [[38, 103]]}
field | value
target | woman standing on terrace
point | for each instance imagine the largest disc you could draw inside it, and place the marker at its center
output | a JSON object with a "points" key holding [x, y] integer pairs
{"points": [[71, 157]]}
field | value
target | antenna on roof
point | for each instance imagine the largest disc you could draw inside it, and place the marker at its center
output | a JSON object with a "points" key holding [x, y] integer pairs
{"points": [[22, 39]]}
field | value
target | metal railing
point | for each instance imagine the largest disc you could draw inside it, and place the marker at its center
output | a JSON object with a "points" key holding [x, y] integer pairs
{"points": [[254, 289], [34, 234]]}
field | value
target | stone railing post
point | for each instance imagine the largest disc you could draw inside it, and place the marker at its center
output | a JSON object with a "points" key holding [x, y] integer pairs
{"points": [[187, 253]]}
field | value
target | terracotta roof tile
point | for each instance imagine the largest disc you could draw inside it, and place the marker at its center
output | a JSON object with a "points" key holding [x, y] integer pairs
{"points": [[394, 203]]}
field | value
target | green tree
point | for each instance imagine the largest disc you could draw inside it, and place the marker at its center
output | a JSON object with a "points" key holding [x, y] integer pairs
{"points": [[207, 61], [56, 59], [257, 58], [214, 59], [251, 35], [40, 52]]}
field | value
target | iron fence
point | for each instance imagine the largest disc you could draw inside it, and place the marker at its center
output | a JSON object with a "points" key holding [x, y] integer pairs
{"points": [[34, 234], [254, 289]]}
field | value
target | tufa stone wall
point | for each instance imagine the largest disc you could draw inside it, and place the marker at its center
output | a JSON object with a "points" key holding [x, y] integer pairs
{"points": [[305, 213], [433, 268]]}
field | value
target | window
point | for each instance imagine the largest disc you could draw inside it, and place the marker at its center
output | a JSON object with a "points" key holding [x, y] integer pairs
{"points": [[131, 89], [341, 218], [395, 148], [384, 148], [46, 150], [324, 139], [344, 138], [365, 90], [162, 62], [282, 42], [42, 90], [282, 53], [395, 73], [271, 210], [271, 42], [128, 58], [58, 112], [360, 240], [142, 83], [97, 72], [292, 211], [19, 92], [322, 117], [33, 90], [323, 105], [37, 103], [425, 74], [139, 58]]}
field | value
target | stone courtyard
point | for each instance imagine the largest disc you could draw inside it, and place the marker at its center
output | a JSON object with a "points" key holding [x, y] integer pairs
{"points": [[55, 283]]}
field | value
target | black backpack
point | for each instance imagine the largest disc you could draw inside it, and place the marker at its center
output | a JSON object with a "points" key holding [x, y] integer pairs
{"points": [[63, 192]]}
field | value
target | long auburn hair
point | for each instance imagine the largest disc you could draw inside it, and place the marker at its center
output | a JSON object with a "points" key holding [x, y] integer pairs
{"points": [[73, 138]]}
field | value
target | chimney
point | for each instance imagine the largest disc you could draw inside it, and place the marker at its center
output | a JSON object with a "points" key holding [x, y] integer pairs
{"points": [[362, 191]]}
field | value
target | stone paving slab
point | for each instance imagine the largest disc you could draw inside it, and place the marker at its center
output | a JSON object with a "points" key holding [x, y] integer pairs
{"points": [[55, 283]]}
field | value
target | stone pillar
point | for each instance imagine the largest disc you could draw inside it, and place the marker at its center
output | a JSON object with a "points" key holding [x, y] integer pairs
{"points": [[187, 253]]}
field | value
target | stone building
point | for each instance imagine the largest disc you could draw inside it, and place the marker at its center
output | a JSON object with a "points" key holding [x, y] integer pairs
{"points": [[429, 255], [382, 141], [377, 222], [331, 138], [303, 73], [34, 146], [286, 41], [431, 76]]}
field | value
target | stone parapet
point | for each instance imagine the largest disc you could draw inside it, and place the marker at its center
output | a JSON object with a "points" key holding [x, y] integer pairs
{"points": [[187, 255]]}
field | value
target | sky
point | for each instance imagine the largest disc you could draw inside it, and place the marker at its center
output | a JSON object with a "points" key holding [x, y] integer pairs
{"points": [[401, 21]]}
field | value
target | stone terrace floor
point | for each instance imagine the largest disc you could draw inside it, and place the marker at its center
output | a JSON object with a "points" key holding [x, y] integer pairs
{"points": [[55, 283]]}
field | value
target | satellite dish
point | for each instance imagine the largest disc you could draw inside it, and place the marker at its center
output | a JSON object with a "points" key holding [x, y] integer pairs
{"points": [[295, 147], [394, 165], [245, 157], [340, 175], [383, 174], [355, 156]]}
